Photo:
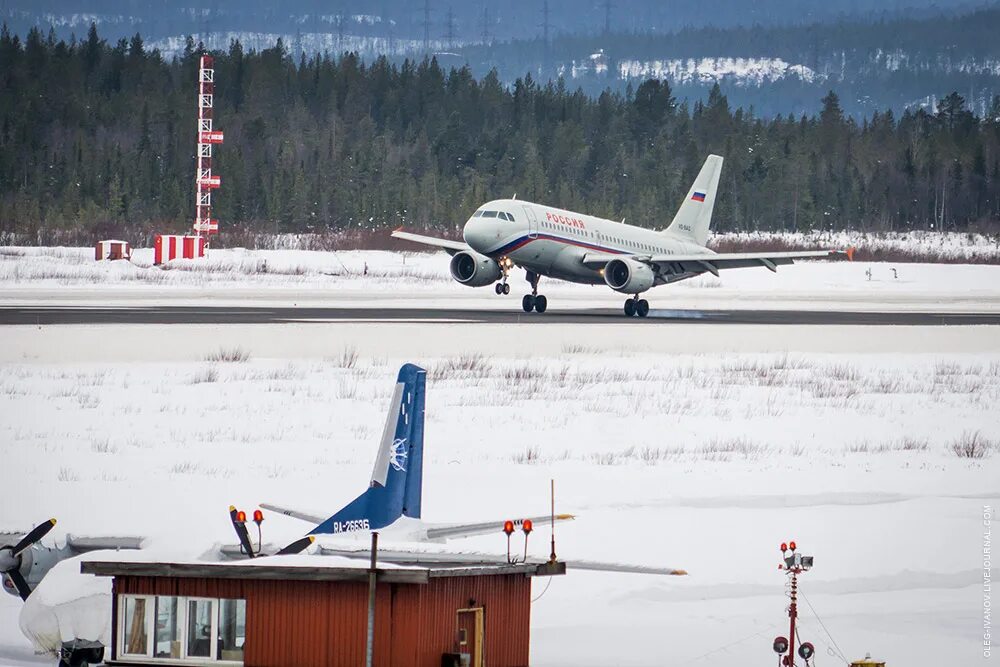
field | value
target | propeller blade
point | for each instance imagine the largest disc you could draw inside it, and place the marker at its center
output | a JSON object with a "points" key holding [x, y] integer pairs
{"points": [[22, 586], [297, 546], [37, 533], [241, 532]]}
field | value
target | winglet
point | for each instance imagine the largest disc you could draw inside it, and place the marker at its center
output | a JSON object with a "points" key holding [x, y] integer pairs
{"points": [[850, 253], [679, 572]]}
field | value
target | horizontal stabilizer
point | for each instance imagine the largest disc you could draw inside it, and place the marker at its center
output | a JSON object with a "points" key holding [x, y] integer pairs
{"points": [[295, 514]]}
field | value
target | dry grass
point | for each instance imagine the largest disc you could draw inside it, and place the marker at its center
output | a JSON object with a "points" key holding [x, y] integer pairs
{"points": [[972, 445], [210, 374], [462, 366], [229, 355]]}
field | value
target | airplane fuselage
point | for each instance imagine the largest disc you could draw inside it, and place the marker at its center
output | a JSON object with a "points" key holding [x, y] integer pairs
{"points": [[553, 242]]}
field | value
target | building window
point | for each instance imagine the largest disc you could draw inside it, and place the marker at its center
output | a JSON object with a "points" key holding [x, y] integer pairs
{"points": [[232, 629], [135, 634], [168, 644], [199, 628], [181, 629]]}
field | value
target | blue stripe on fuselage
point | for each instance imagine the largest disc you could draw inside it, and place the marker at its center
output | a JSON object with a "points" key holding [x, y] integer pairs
{"points": [[524, 240]]}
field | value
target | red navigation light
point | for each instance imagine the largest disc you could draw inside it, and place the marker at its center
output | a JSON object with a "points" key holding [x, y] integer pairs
{"points": [[508, 527], [241, 517], [784, 547], [791, 545], [258, 516], [526, 526]]}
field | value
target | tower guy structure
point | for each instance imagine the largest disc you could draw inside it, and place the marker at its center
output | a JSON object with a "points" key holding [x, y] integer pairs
{"points": [[205, 180]]}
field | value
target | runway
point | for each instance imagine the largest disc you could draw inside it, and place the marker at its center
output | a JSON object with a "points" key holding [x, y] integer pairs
{"points": [[44, 316]]}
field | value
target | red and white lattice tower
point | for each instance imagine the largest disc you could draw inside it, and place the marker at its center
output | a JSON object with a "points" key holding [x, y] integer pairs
{"points": [[205, 180]]}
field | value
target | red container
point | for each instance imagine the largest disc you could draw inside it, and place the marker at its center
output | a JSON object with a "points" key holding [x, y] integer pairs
{"points": [[168, 247]]}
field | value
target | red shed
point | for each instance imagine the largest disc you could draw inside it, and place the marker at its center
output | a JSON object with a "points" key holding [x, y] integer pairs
{"points": [[299, 611], [112, 250]]}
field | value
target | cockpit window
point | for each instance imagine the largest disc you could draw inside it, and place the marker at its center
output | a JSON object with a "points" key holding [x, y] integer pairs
{"points": [[477, 214], [489, 214], [510, 216]]}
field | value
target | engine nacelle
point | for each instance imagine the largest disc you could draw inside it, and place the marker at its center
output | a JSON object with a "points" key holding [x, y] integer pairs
{"points": [[23, 562], [474, 270], [628, 276]]}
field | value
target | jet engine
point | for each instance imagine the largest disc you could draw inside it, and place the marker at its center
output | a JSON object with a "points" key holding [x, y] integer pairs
{"points": [[628, 276], [474, 270]]}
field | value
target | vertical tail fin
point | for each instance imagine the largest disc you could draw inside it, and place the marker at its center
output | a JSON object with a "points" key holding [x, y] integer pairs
{"points": [[397, 479], [695, 214]]}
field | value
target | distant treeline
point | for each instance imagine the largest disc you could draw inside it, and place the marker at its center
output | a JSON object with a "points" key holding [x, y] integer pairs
{"points": [[97, 139]]}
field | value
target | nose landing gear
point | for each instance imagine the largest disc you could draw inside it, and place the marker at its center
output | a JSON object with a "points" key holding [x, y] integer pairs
{"points": [[502, 287], [534, 301], [636, 307]]}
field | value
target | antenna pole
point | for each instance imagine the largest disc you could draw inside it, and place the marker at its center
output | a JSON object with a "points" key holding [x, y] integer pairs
{"points": [[552, 516], [370, 648], [792, 614]]}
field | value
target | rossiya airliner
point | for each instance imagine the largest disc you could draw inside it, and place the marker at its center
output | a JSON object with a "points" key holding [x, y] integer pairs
{"points": [[551, 242]]}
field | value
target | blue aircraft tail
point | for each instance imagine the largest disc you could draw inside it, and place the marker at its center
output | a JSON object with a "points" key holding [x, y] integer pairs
{"points": [[397, 479]]}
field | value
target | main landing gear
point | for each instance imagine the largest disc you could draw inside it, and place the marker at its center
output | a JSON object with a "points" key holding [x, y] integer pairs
{"points": [[636, 307], [534, 301]]}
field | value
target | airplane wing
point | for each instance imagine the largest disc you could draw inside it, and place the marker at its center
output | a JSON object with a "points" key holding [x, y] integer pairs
{"points": [[445, 532], [713, 263], [450, 247], [84, 544], [444, 559]]}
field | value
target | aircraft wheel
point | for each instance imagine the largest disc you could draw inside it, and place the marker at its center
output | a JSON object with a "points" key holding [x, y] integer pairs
{"points": [[506, 288], [528, 303], [642, 308], [498, 288], [541, 303], [630, 308]]}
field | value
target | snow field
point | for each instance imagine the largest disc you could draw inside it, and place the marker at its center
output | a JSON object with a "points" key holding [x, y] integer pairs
{"points": [[702, 461]]}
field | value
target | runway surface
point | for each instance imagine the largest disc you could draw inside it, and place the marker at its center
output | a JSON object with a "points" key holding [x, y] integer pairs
{"points": [[260, 315]]}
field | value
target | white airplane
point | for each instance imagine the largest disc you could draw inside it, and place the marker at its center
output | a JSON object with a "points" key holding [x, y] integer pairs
{"points": [[68, 614], [580, 248]]}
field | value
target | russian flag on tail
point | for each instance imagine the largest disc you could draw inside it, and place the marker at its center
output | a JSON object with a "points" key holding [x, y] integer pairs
{"points": [[698, 196]]}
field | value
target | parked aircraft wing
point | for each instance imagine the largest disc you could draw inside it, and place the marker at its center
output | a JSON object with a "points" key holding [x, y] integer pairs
{"points": [[445, 559], [83, 544], [451, 247], [295, 514], [448, 531]]}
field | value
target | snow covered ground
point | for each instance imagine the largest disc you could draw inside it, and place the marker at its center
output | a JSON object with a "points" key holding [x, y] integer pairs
{"points": [[692, 445], [705, 461], [55, 276]]}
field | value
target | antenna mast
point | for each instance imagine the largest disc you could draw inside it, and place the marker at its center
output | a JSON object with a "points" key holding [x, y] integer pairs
{"points": [[793, 565], [205, 181]]}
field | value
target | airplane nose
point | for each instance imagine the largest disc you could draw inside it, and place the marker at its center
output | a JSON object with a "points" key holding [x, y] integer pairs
{"points": [[476, 233]]}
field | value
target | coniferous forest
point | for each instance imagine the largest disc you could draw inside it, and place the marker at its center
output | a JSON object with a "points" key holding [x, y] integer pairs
{"points": [[98, 140]]}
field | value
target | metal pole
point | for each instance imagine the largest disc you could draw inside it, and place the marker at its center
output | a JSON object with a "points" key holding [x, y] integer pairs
{"points": [[792, 612], [369, 653]]}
